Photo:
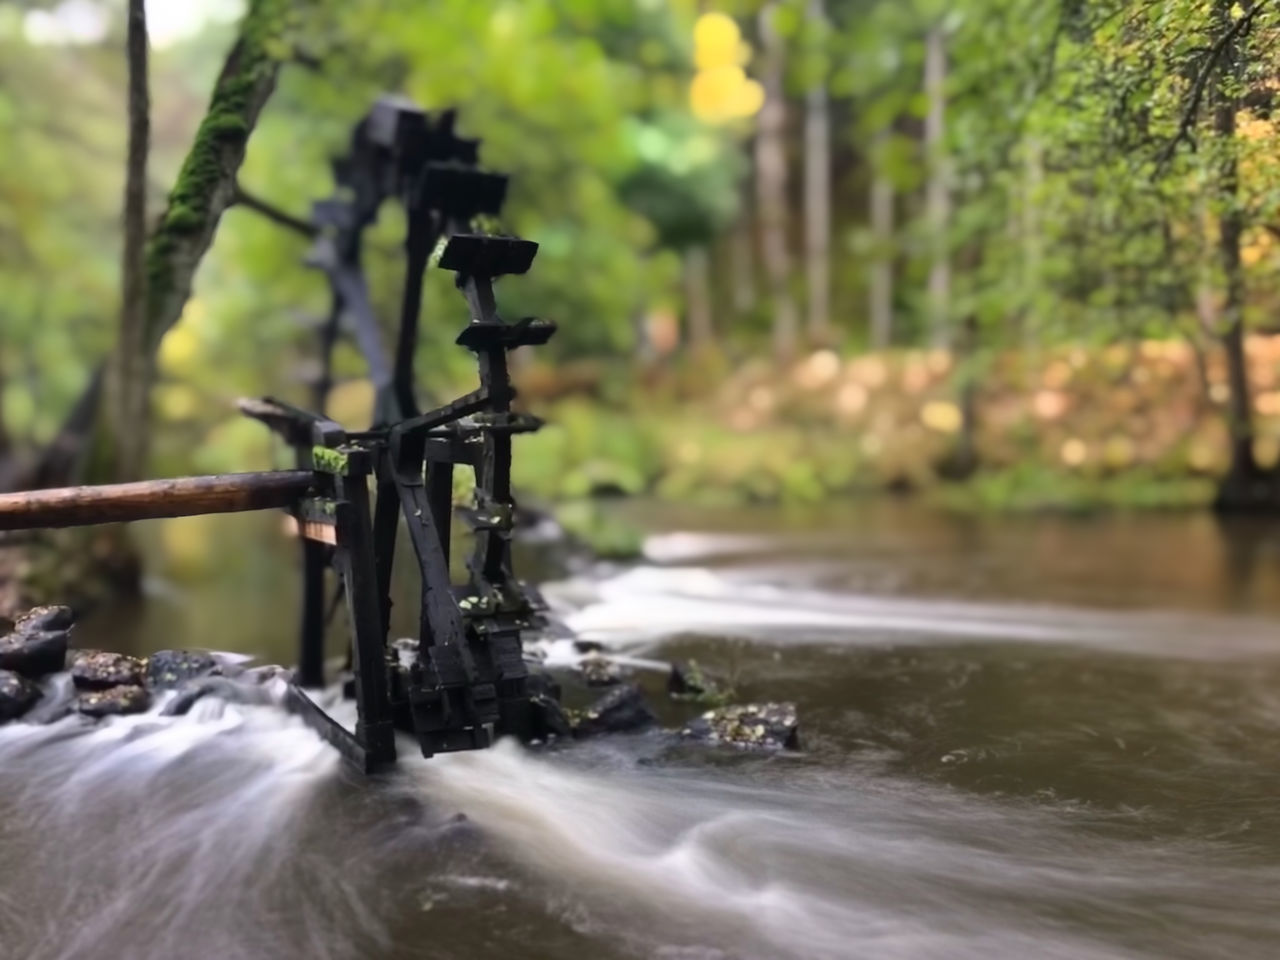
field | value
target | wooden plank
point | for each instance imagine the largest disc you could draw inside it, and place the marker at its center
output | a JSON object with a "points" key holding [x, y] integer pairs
{"points": [[319, 532], [152, 499]]}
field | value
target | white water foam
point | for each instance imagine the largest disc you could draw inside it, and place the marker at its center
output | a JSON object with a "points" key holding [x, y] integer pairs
{"points": [[235, 832], [639, 607], [151, 836], [829, 869]]}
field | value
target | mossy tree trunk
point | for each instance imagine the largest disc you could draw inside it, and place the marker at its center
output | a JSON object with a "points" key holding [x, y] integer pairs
{"points": [[105, 438], [205, 188]]}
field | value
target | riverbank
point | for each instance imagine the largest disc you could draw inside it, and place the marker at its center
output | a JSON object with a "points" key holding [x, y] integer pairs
{"points": [[1136, 426]]}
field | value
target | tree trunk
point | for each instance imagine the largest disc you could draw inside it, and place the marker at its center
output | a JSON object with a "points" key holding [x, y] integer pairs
{"points": [[129, 372], [1245, 486], [962, 461], [741, 279], [817, 198], [881, 286], [1205, 327], [83, 567], [771, 187], [1032, 242], [937, 194], [697, 298], [205, 188]]}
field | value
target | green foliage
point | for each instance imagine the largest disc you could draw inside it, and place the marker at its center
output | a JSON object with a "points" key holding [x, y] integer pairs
{"points": [[607, 537], [685, 179], [1080, 212], [1032, 487]]}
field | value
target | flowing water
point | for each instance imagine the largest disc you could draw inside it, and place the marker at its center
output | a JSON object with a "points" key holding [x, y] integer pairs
{"points": [[1022, 738]]}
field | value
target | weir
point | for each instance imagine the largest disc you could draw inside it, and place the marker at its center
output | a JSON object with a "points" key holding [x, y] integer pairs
{"points": [[462, 680]]}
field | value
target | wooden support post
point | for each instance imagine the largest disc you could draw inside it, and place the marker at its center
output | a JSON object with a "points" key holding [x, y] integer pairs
{"points": [[440, 496], [374, 728], [311, 637], [386, 525]]}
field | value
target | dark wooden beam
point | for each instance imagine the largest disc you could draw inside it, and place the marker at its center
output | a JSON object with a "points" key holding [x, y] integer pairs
{"points": [[151, 499]]}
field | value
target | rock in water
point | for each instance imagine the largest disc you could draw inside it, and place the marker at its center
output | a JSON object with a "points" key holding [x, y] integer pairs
{"points": [[42, 619], [167, 669], [34, 653], [598, 671], [98, 670], [232, 691], [547, 718], [543, 684], [17, 695], [688, 681], [550, 720], [620, 710], [126, 698], [771, 726], [540, 718]]}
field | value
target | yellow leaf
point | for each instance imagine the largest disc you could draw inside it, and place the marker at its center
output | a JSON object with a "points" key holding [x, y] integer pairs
{"points": [[1074, 452], [941, 416], [716, 40], [724, 93]]}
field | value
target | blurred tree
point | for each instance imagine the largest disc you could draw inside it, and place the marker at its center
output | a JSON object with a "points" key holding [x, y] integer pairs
{"points": [[817, 177], [938, 194], [128, 377], [771, 184]]}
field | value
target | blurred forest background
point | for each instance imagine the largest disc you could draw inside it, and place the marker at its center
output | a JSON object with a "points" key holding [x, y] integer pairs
{"points": [[1006, 253]]}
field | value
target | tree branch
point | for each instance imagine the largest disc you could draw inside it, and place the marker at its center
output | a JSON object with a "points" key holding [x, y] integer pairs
{"points": [[1192, 112], [243, 198]]}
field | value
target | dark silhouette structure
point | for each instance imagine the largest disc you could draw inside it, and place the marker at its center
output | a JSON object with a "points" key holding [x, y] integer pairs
{"points": [[463, 678]]}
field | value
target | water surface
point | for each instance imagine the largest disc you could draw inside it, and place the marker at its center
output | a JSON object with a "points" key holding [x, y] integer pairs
{"points": [[1034, 737]]}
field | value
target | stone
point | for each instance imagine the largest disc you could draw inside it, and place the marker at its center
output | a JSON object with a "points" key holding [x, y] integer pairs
{"points": [[267, 674], [621, 710], [540, 717], [598, 671], [543, 684], [45, 619], [98, 670], [114, 701], [549, 720], [231, 691], [168, 669], [688, 681], [34, 653], [17, 695], [767, 726]]}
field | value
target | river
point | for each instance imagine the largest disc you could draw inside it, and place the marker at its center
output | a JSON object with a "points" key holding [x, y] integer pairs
{"points": [[1022, 737]]}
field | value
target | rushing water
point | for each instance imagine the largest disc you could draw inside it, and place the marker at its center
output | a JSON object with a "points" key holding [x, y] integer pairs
{"points": [[1033, 738]]}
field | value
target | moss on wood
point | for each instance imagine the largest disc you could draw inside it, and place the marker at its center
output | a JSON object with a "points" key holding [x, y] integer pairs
{"points": [[206, 183], [328, 460]]}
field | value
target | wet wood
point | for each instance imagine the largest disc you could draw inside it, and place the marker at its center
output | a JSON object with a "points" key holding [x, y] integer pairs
{"points": [[152, 499]]}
